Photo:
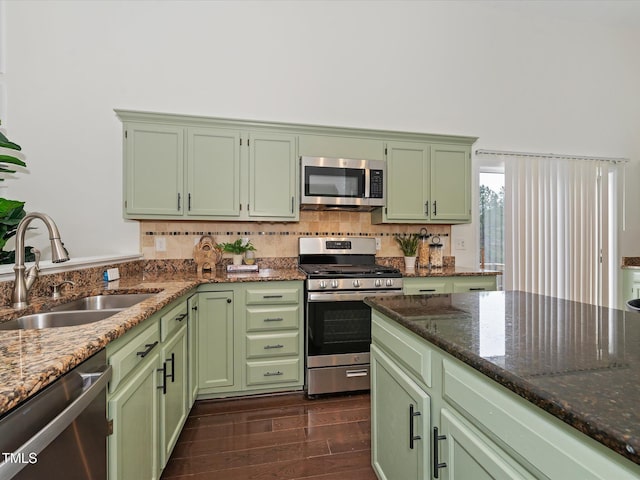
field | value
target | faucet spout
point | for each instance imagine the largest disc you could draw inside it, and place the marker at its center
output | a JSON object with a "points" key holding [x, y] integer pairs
{"points": [[23, 284]]}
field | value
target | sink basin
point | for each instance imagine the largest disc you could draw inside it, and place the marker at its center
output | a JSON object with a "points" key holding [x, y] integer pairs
{"points": [[634, 305], [101, 302], [58, 319]]}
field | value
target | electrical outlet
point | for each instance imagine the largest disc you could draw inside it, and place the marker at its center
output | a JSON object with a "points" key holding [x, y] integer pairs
{"points": [[460, 244], [161, 244], [378, 243]]}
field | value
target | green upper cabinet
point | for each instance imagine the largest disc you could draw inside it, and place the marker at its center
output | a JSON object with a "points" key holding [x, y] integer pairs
{"points": [[213, 172], [341, 147], [153, 170], [272, 177], [427, 183]]}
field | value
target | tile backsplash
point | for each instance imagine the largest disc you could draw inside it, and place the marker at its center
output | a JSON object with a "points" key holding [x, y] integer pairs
{"points": [[276, 239]]}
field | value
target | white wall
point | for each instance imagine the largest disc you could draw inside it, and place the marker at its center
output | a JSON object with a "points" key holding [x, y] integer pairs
{"points": [[520, 76]]}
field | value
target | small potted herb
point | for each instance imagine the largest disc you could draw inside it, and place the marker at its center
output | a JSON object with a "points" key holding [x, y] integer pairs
{"points": [[408, 243], [237, 249]]}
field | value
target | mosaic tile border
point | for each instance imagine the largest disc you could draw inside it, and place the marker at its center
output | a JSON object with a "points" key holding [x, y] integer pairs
{"points": [[294, 233]]}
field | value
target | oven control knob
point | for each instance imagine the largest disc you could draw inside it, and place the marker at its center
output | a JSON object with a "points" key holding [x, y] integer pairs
{"points": [[323, 284], [389, 282], [378, 282], [356, 283], [334, 284]]}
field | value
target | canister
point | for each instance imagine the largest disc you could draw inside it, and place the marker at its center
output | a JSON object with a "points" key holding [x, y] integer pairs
{"points": [[423, 249], [435, 252]]}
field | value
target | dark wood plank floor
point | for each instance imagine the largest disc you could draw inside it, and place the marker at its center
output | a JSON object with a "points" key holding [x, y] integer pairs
{"points": [[280, 437]]}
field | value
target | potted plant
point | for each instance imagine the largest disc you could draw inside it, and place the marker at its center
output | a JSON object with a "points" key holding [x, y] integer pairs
{"points": [[408, 243], [237, 249]]}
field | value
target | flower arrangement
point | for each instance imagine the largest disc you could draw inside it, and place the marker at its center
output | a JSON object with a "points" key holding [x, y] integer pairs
{"points": [[238, 247]]}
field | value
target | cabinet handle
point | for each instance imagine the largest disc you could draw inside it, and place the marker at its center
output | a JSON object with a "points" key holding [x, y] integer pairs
{"points": [[178, 202], [274, 319], [228, 300], [173, 367], [194, 308], [181, 317], [269, 347], [435, 208], [189, 202], [426, 208], [427, 290], [149, 347], [273, 374], [412, 437], [476, 289], [163, 387], [292, 203], [437, 465], [272, 296]]}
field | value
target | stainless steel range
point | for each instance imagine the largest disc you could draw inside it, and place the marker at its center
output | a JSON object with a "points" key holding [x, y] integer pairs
{"points": [[341, 272]]}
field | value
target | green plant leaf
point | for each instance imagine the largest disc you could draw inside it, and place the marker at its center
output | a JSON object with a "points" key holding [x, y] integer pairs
{"points": [[12, 160], [5, 142]]}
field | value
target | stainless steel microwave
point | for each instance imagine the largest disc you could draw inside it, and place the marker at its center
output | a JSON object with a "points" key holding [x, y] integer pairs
{"points": [[342, 183]]}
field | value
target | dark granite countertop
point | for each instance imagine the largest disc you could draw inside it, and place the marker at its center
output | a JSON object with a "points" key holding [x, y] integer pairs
{"points": [[453, 271], [578, 362]]}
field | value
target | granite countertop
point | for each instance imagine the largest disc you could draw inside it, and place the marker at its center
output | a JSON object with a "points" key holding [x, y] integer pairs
{"points": [[32, 359], [578, 362]]}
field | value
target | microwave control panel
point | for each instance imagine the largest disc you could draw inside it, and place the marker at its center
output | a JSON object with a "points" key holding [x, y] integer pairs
{"points": [[375, 183]]}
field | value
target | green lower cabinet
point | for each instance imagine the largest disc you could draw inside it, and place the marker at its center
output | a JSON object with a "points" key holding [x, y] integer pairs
{"points": [[454, 284], [133, 408], [174, 389], [464, 454], [400, 421], [216, 342]]}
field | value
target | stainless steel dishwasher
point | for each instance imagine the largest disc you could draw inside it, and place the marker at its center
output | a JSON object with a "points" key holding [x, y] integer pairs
{"points": [[61, 432]]}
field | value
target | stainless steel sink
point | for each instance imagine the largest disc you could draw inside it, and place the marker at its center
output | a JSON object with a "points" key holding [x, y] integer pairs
{"points": [[58, 319], [101, 302]]}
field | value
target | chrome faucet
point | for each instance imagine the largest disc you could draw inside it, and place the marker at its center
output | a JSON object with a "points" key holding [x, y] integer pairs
{"points": [[25, 277]]}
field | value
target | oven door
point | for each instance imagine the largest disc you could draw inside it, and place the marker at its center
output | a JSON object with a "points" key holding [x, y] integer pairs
{"points": [[339, 322]]}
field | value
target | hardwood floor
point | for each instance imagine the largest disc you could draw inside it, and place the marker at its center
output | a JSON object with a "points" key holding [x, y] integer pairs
{"points": [[281, 437]]}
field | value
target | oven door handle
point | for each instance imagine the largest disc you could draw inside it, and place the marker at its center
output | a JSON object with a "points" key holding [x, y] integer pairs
{"points": [[347, 296]]}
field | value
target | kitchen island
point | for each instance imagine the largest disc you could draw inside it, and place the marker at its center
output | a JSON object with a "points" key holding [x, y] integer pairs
{"points": [[517, 384]]}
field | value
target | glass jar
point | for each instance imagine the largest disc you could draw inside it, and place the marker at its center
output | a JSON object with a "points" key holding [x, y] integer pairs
{"points": [[423, 249], [435, 253], [249, 257]]}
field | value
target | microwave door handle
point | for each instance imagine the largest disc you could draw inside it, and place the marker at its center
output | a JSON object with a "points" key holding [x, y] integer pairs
{"points": [[367, 183]]}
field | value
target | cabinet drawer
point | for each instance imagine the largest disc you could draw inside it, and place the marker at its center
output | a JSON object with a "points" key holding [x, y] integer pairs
{"points": [[272, 345], [409, 352], [276, 371], [425, 287], [125, 360], [173, 320], [272, 296], [272, 318], [474, 284]]}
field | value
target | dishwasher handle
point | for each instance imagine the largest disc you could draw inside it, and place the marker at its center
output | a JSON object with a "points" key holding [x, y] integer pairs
{"points": [[36, 444]]}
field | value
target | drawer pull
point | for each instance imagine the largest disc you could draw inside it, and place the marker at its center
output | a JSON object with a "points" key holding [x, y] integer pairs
{"points": [[274, 319], [272, 296], [149, 347], [181, 317], [268, 347], [357, 373], [476, 289], [273, 374], [427, 290]]}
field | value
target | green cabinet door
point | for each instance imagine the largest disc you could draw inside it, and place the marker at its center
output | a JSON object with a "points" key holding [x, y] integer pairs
{"points": [[450, 183], [400, 421], [213, 172], [174, 391], [272, 176], [469, 456], [216, 342], [133, 445], [154, 164], [407, 181]]}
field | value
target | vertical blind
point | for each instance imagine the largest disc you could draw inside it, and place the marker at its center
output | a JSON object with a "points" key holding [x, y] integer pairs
{"points": [[556, 226]]}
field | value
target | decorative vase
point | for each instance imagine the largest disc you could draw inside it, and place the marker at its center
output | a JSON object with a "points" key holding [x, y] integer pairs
{"points": [[237, 259], [409, 263]]}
